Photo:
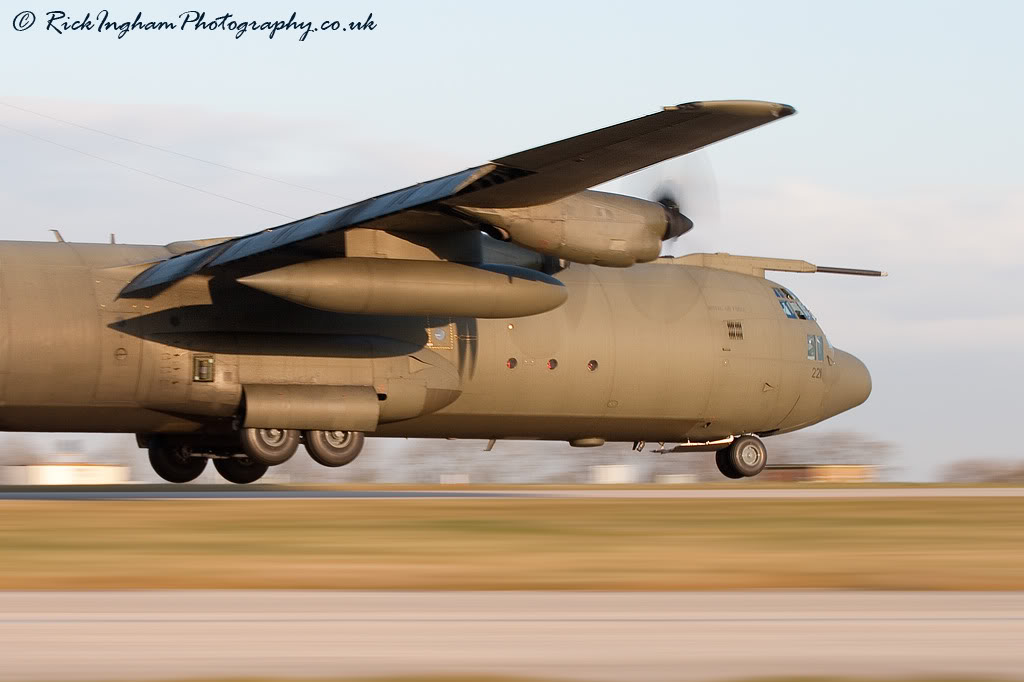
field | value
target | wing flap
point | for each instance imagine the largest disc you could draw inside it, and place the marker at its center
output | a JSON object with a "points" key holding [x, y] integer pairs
{"points": [[179, 267]]}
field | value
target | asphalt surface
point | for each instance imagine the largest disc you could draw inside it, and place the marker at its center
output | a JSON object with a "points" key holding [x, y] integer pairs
{"points": [[581, 635], [136, 492]]}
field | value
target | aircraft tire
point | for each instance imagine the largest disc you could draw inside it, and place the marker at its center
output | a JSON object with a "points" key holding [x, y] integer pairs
{"points": [[175, 463], [240, 469], [270, 446], [747, 456], [725, 464], [334, 448]]}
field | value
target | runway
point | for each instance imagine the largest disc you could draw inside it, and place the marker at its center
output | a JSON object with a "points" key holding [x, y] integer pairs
{"points": [[572, 635], [228, 492]]}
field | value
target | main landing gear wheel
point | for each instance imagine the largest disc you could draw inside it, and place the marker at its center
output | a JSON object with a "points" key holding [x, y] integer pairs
{"points": [[175, 463], [725, 466], [240, 469], [269, 446], [333, 448], [745, 457]]}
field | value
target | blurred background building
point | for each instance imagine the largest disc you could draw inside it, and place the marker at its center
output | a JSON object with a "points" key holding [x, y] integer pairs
{"points": [[67, 464], [835, 456]]}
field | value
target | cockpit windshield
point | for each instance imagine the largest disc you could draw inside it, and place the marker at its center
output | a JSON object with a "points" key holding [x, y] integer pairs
{"points": [[791, 305]]}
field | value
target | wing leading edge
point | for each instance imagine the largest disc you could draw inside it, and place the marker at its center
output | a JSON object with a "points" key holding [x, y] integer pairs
{"points": [[536, 176]]}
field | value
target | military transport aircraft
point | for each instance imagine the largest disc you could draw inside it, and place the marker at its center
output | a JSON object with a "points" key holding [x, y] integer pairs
{"points": [[503, 301]]}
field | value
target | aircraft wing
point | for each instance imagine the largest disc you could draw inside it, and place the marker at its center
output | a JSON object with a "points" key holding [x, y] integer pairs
{"points": [[536, 176]]}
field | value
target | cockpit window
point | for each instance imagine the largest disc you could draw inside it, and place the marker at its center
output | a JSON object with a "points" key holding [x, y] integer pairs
{"points": [[815, 347], [791, 305]]}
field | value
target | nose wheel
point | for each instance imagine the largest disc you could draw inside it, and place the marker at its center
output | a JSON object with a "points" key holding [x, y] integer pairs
{"points": [[746, 456]]}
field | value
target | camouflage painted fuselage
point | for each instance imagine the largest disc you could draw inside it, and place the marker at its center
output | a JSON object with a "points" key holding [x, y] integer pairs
{"points": [[640, 353]]}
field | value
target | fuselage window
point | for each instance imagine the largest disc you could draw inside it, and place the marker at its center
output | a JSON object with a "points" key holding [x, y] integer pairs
{"points": [[815, 348], [786, 308]]}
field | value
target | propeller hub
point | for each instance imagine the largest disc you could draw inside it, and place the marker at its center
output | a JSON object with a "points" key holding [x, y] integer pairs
{"points": [[676, 223]]}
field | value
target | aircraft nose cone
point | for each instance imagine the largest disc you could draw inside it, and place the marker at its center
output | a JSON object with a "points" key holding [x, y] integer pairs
{"points": [[852, 386]]}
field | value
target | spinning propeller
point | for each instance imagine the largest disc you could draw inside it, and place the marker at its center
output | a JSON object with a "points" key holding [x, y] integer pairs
{"points": [[687, 189], [678, 223]]}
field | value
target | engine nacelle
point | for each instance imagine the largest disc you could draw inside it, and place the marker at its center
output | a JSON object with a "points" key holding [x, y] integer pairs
{"points": [[593, 228]]}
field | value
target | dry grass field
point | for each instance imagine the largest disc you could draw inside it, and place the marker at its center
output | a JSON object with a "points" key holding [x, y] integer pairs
{"points": [[491, 678], [510, 544]]}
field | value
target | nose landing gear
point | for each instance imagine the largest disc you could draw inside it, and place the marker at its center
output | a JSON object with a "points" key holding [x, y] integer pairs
{"points": [[745, 457]]}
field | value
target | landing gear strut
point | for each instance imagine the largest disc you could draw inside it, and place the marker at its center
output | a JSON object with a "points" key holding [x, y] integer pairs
{"points": [[745, 457], [174, 463]]}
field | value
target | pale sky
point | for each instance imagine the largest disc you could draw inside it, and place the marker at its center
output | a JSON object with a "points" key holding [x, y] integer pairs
{"points": [[905, 154]]}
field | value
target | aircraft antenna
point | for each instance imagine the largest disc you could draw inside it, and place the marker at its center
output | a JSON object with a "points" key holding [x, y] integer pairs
{"points": [[171, 151], [143, 172]]}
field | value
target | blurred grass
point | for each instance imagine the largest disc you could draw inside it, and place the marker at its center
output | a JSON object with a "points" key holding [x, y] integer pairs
{"points": [[724, 484], [493, 678], [599, 544]]}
